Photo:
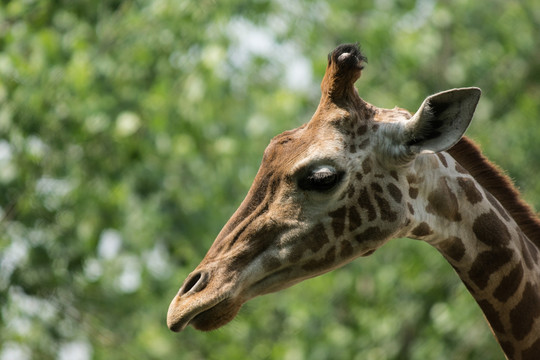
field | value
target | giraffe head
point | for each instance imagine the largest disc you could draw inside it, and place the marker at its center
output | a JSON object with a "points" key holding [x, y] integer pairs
{"points": [[326, 193]]}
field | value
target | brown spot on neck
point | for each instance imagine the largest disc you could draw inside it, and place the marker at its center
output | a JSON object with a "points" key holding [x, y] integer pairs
{"points": [[472, 193], [376, 187], [366, 166], [413, 192], [522, 317], [487, 263], [532, 352], [443, 202], [452, 248], [490, 230], [508, 349], [442, 159], [394, 192], [384, 208], [492, 316], [421, 230], [509, 284]]}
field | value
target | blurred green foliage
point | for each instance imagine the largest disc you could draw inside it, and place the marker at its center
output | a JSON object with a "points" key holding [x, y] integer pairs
{"points": [[131, 130]]}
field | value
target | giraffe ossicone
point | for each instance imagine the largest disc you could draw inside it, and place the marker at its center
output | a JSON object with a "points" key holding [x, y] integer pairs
{"points": [[354, 177]]}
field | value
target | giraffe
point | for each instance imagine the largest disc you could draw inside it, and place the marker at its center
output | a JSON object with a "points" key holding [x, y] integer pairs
{"points": [[352, 178]]}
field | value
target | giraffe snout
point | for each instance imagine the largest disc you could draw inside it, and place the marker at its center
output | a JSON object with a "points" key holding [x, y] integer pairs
{"points": [[204, 301]]}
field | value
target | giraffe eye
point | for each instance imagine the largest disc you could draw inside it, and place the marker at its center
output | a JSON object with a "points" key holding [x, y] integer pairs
{"points": [[322, 178]]}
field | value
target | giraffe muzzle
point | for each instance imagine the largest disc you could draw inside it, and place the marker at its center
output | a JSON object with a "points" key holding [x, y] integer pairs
{"points": [[204, 301]]}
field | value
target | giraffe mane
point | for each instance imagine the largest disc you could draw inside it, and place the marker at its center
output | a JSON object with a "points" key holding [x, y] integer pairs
{"points": [[494, 180]]}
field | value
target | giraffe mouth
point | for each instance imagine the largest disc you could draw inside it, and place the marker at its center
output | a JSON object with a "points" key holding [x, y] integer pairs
{"points": [[200, 312], [209, 309], [205, 301], [216, 316]]}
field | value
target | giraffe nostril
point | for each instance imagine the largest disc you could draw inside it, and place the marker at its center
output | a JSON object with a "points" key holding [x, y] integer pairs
{"points": [[194, 283]]}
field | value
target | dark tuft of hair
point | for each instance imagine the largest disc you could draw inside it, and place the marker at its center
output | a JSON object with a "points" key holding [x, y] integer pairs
{"points": [[355, 58]]}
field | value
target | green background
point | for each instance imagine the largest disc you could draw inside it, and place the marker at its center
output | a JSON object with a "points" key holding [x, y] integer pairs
{"points": [[131, 130]]}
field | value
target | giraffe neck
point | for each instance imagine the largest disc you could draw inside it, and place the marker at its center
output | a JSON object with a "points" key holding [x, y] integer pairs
{"points": [[492, 255]]}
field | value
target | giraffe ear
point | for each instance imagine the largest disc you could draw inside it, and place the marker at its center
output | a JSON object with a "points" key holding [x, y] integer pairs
{"points": [[441, 120]]}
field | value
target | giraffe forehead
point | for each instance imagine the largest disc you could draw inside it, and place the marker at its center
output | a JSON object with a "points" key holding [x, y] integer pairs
{"points": [[296, 148], [330, 133]]}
